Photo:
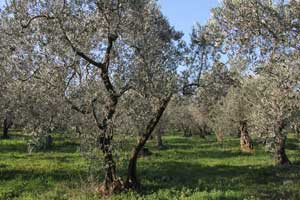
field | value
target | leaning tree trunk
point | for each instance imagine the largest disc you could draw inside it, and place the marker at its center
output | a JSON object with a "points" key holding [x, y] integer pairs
{"points": [[245, 139], [280, 155], [132, 180], [7, 123]]}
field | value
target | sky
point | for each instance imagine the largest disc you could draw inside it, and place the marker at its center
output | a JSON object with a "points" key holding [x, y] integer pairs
{"points": [[183, 14]]}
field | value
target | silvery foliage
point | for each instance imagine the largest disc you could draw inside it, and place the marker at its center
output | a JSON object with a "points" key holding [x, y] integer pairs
{"points": [[52, 47], [265, 34]]}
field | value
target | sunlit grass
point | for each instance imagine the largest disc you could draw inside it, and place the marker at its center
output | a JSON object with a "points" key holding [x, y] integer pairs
{"points": [[189, 168]]}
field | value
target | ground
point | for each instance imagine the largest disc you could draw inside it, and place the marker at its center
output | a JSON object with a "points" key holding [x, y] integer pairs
{"points": [[190, 168]]}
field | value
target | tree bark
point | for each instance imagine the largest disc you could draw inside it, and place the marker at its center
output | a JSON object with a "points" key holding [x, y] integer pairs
{"points": [[132, 180], [280, 155], [245, 139], [112, 183]]}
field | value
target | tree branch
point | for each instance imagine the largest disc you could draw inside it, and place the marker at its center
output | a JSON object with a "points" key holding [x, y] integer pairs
{"points": [[76, 50], [81, 109], [33, 18]]}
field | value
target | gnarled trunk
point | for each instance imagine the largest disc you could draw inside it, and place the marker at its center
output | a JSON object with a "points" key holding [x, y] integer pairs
{"points": [[112, 183], [245, 139], [280, 155], [132, 181]]}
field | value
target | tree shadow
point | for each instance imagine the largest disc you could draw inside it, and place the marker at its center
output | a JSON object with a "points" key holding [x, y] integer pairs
{"points": [[251, 180], [13, 148], [38, 180], [29, 174], [293, 144]]}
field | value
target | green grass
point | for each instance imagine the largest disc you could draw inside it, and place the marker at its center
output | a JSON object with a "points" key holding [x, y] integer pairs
{"points": [[190, 168]]}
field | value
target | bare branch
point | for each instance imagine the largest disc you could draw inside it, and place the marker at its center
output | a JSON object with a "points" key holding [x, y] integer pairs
{"points": [[124, 89], [111, 39], [33, 18], [77, 51]]}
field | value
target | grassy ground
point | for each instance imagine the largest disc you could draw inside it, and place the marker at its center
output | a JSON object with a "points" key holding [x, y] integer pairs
{"points": [[190, 168]]}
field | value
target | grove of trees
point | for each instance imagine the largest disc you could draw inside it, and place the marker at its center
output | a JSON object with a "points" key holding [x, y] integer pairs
{"points": [[107, 69]]}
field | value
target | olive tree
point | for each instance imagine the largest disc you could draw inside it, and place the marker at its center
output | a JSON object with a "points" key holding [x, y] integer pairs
{"points": [[275, 99], [98, 51], [215, 84], [158, 54], [266, 34]]}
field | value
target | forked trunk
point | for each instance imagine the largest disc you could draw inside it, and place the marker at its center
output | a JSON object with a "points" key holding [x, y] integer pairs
{"points": [[132, 181], [245, 140], [280, 155]]}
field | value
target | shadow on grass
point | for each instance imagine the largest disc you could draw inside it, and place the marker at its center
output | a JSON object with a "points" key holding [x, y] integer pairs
{"points": [[58, 147], [293, 144], [261, 182], [56, 175], [37, 181], [13, 148]]}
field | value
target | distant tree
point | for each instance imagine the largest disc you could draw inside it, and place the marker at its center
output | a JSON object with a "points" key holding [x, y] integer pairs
{"points": [[7, 124], [264, 33], [209, 73], [235, 115], [275, 98], [215, 84]]}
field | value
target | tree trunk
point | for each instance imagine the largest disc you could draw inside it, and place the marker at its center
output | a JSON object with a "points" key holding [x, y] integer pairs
{"points": [[7, 123], [245, 139], [132, 181], [112, 183], [5, 131], [219, 136], [280, 155], [160, 131], [159, 141], [187, 132]]}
